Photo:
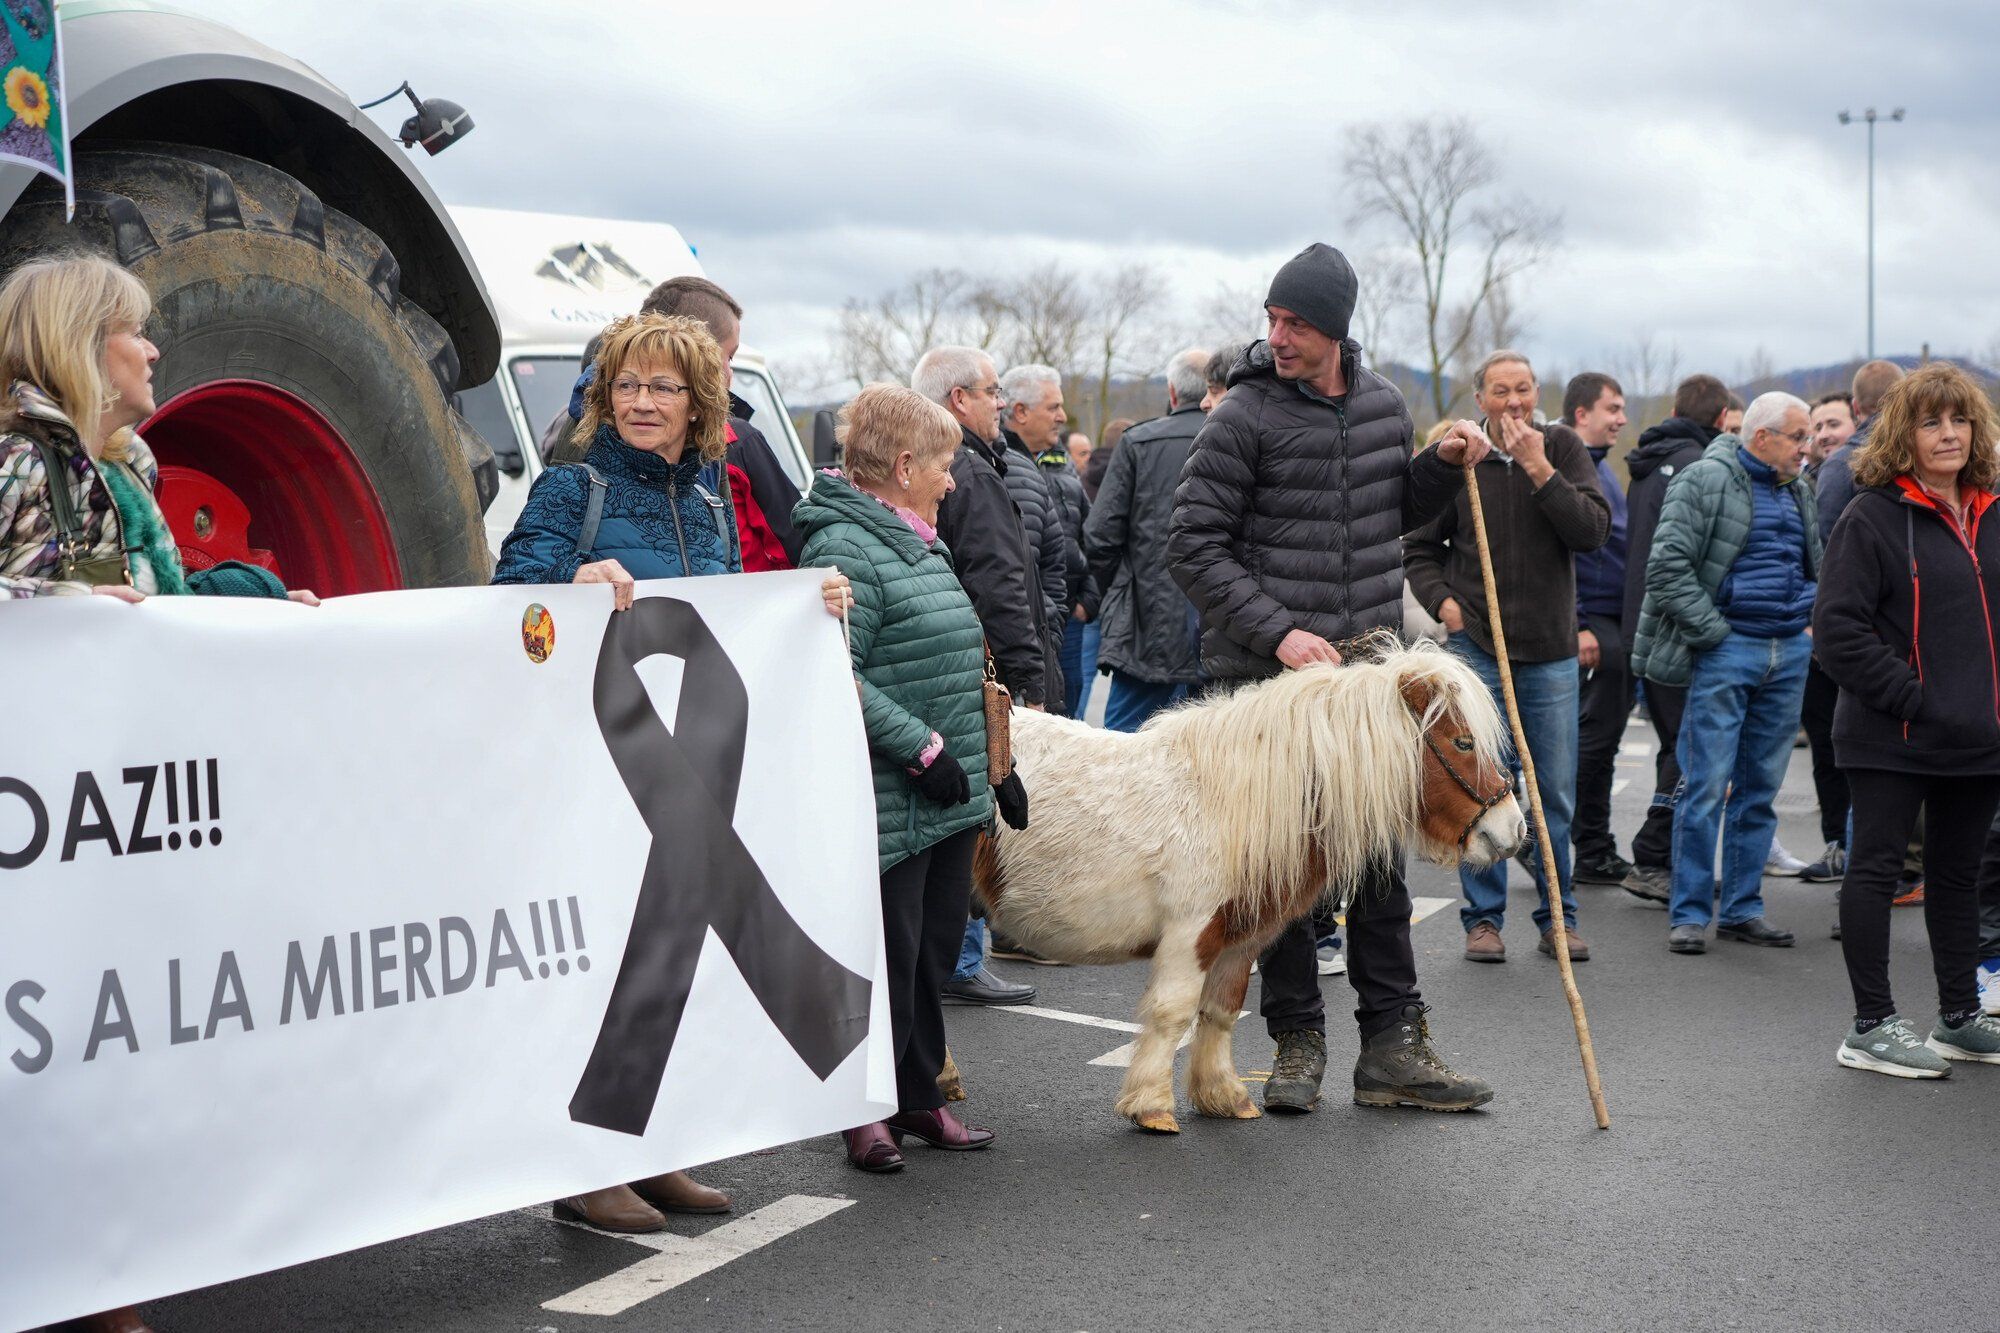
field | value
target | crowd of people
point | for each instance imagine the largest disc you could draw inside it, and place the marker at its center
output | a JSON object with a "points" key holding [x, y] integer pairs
{"points": [[1774, 567]]}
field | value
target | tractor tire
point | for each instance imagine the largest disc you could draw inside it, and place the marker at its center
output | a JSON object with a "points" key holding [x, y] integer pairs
{"points": [[305, 417]]}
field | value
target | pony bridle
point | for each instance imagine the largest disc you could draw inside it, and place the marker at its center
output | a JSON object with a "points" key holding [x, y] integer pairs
{"points": [[1485, 803]]}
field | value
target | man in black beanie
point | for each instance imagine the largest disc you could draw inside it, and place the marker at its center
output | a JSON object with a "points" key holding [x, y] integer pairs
{"points": [[1317, 448]]}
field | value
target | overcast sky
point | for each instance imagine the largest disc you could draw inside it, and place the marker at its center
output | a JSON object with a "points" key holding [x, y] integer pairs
{"points": [[814, 153]]}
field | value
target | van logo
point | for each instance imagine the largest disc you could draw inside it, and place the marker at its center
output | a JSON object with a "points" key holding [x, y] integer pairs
{"points": [[590, 268]]}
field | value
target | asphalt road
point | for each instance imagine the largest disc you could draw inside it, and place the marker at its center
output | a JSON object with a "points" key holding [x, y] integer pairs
{"points": [[1746, 1181]]}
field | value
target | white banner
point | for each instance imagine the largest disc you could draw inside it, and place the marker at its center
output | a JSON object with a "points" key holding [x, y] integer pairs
{"points": [[320, 927]]}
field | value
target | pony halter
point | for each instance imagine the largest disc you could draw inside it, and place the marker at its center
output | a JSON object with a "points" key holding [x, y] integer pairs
{"points": [[1486, 803]]}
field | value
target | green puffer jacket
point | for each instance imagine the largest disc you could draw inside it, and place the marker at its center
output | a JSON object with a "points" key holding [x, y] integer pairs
{"points": [[1704, 525], [918, 654]]}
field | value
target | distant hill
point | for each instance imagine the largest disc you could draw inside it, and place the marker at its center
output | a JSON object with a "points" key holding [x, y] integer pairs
{"points": [[1809, 382]]}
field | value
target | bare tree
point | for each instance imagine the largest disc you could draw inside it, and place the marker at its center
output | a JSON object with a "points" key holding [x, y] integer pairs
{"points": [[1431, 182], [1649, 370], [1231, 315], [1121, 344], [1386, 290], [1046, 311], [882, 339]]}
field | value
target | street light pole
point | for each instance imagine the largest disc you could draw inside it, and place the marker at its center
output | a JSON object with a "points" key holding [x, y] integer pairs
{"points": [[1870, 117]]}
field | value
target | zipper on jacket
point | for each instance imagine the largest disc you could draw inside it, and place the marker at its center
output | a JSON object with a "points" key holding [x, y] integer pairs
{"points": [[680, 536]]}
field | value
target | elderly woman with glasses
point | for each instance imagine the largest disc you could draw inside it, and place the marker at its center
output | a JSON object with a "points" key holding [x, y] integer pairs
{"points": [[649, 501]]}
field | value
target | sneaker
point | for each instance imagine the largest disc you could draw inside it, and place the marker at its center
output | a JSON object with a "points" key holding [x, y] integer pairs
{"points": [[1579, 951], [1296, 1072], [1782, 864], [1332, 962], [1909, 893], [1006, 947], [1654, 884], [1977, 1039], [1892, 1048], [1399, 1067], [1989, 986], [1610, 870], [1484, 945], [1829, 869], [982, 987]]}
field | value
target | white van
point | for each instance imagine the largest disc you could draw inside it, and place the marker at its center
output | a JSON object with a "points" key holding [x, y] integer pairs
{"points": [[556, 281]]}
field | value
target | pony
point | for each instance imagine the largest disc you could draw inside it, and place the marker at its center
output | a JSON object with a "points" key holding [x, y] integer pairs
{"points": [[1194, 841]]}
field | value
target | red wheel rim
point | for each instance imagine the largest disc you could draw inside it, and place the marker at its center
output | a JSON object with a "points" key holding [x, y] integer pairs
{"points": [[251, 472]]}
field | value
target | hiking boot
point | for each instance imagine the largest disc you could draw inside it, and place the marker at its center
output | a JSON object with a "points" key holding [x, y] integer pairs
{"points": [[1655, 884], [1399, 1067], [1891, 1047], [1909, 893], [1976, 1039], [1609, 869], [1781, 864], [1296, 1072], [1756, 931], [1989, 986], [1687, 939], [1579, 951], [1484, 945], [1831, 867]]}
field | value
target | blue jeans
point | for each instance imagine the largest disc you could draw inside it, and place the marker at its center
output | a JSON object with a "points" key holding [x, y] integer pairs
{"points": [[1079, 663], [1736, 740], [1547, 694], [972, 952], [1133, 700]]}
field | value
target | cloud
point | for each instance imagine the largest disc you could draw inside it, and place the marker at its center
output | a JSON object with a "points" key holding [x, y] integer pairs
{"points": [[816, 153]]}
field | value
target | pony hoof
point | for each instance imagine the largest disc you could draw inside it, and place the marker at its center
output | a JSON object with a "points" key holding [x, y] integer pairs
{"points": [[1157, 1122], [948, 1081], [1241, 1109]]}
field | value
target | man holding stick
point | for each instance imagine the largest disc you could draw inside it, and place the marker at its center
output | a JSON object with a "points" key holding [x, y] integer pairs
{"points": [[1287, 536]]}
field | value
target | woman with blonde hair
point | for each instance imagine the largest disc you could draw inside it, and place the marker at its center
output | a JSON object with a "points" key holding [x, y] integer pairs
{"points": [[77, 484], [919, 658], [1905, 626], [649, 500]]}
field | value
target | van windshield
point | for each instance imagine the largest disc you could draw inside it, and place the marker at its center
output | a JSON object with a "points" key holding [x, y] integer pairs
{"points": [[755, 390], [543, 382]]}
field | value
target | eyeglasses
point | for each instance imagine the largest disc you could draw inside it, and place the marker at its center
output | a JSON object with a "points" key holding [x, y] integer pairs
{"points": [[983, 390], [1796, 437], [625, 389]]}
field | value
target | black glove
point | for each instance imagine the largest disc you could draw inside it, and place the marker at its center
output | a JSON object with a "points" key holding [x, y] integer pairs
{"points": [[944, 781], [1013, 800]]}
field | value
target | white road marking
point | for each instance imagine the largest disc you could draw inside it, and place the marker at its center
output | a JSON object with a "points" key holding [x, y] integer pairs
{"points": [[681, 1259], [1636, 750], [1619, 784], [1064, 1015], [1423, 907]]}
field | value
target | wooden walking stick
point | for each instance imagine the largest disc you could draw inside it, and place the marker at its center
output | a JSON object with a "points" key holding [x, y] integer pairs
{"points": [[1535, 809]]}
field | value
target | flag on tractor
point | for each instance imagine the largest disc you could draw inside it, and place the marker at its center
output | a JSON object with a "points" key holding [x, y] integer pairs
{"points": [[34, 126]]}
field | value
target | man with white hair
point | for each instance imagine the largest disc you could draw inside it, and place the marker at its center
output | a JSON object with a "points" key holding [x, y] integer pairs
{"points": [[1151, 633], [1031, 421], [1730, 582], [982, 529]]}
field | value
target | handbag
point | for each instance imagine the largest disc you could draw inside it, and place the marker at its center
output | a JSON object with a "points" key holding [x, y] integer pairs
{"points": [[74, 563], [999, 707]]}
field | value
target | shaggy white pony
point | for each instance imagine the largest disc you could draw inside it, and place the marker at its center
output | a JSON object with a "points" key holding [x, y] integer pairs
{"points": [[1194, 841]]}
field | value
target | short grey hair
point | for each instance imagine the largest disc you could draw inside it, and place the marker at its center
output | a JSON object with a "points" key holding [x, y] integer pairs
{"points": [[1768, 412], [1026, 384], [943, 369], [1187, 375], [1502, 357]]}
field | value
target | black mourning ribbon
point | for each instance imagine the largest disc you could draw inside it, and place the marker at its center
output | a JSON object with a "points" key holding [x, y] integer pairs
{"points": [[699, 876]]}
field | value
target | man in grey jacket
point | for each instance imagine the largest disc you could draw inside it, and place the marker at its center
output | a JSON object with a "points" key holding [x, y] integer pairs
{"points": [[1151, 635], [1031, 420]]}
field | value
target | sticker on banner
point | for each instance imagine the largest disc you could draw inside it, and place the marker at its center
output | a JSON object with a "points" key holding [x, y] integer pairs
{"points": [[538, 632]]}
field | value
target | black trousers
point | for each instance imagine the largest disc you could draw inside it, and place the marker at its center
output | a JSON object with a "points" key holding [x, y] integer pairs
{"points": [[1829, 783], [1605, 702], [1380, 963], [1654, 845], [923, 923], [1958, 815], [1989, 895]]}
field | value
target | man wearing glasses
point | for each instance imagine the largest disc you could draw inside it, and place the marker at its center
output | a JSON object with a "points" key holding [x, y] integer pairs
{"points": [[1729, 593]]}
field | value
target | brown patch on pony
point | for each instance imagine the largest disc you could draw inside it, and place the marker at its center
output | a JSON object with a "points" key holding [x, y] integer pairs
{"points": [[1239, 986], [987, 881], [1417, 694], [1234, 923]]}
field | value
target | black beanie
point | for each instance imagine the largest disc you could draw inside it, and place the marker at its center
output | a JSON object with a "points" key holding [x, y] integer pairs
{"points": [[1317, 284]]}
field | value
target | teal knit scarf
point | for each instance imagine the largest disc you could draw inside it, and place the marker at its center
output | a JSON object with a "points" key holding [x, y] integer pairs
{"points": [[145, 529]]}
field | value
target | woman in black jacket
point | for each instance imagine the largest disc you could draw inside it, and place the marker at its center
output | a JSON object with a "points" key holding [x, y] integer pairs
{"points": [[1905, 625]]}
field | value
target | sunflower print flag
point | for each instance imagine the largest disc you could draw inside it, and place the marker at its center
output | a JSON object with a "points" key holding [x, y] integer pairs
{"points": [[33, 127]]}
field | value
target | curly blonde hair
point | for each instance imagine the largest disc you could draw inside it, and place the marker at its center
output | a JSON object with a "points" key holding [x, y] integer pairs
{"points": [[1926, 392], [662, 342], [56, 315]]}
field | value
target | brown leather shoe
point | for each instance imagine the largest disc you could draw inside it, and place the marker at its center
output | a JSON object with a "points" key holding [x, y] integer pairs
{"points": [[870, 1148], [1483, 944], [616, 1208], [123, 1320], [938, 1128], [678, 1192], [1579, 951]]}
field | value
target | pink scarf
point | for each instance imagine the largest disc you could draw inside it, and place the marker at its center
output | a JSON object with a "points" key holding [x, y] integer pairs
{"points": [[924, 530]]}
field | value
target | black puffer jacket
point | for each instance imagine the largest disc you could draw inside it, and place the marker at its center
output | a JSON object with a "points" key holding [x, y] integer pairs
{"points": [[1042, 521], [1291, 512], [1144, 613], [982, 529], [1654, 462], [1068, 490]]}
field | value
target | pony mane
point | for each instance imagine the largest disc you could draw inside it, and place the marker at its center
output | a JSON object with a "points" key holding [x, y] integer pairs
{"points": [[1323, 766]]}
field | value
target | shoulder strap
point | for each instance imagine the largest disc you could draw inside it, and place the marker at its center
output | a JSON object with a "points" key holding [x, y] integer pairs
{"points": [[722, 508], [593, 510], [69, 532]]}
